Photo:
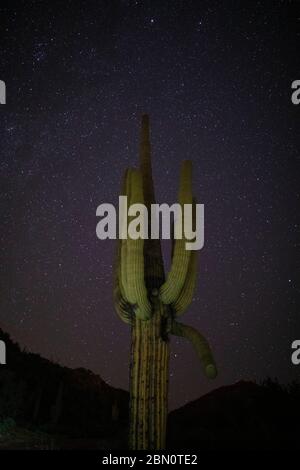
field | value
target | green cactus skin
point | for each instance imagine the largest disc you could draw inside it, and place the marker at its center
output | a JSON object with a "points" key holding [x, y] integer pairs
{"points": [[132, 257], [185, 296], [171, 289], [149, 303], [200, 344]]}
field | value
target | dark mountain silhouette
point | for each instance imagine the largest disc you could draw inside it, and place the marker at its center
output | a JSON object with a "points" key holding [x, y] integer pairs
{"points": [[240, 416], [38, 393]]}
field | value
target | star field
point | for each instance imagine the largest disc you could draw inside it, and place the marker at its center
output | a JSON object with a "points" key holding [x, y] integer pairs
{"points": [[215, 79]]}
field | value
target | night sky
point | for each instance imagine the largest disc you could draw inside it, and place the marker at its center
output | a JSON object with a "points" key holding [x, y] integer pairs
{"points": [[215, 78]]}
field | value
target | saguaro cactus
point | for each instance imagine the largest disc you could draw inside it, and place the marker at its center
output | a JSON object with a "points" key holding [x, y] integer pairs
{"points": [[150, 303]]}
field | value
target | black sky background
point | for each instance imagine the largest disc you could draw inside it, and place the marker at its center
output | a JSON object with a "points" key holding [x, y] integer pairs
{"points": [[215, 78]]}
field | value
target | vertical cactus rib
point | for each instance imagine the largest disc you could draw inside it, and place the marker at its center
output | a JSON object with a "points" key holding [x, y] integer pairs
{"points": [[153, 379], [162, 394], [166, 390], [142, 389], [200, 344], [136, 398], [158, 395], [146, 387], [170, 290]]}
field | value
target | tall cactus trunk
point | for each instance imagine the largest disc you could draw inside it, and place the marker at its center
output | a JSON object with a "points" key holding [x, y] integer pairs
{"points": [[150, 348], [148, 384]]}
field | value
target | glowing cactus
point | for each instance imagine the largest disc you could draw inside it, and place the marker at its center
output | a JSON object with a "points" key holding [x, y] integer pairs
{"points": [[150, 304]]}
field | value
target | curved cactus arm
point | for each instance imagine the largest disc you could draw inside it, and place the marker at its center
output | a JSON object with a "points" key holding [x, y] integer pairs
{"points": [[171, 289], [186, 295], [132, 259], [122, 306], [200, 344], [122, 243]]}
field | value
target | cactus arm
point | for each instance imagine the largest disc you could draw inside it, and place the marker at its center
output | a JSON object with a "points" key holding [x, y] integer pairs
{"points": [[186, 295], [130, 295], [200, 344], [122, 266], [132, 259], [123, 308], [171, 289]]}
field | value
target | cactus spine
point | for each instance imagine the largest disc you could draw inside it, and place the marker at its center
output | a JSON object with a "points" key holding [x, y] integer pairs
{"points": [[150, 304]]}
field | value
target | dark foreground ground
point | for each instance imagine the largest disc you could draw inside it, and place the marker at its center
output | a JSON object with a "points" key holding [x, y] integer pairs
{"points": [[46, 406]]}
